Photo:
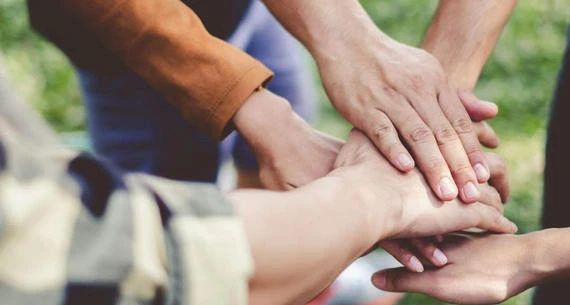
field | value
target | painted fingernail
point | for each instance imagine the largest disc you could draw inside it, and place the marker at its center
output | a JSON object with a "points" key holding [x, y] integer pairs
{"points": [[405, 161], [439, 257], [481, 171], [470, 191], [416, 265], [379, 279], [447, 187]]}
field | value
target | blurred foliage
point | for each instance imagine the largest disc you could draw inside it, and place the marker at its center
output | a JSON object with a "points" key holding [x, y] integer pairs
{"points": [[519, 77], [39, 73]]}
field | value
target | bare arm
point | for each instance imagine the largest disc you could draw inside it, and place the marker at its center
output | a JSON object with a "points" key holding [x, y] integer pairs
{"points": [[388, 89], [462, 35]]}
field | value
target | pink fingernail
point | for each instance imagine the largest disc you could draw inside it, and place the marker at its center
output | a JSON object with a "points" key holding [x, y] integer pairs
{"points": [[405, 161], [439, 257], [481, 172], [416, 265], [447, 187], [470, 191]]}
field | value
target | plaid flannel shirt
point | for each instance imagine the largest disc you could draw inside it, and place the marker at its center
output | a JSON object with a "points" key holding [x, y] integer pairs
{"points": [[74, 230]]}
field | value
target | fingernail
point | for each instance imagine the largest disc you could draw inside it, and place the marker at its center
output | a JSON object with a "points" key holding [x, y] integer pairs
{"points": [[439, 257], [447, 187], [379, 279], [405, 161], [514, 227], [416, 265], [481, 172], [490, 105], [470, 191]]}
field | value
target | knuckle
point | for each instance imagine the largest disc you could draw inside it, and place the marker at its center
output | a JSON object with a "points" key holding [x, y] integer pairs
{"points": [[461, 169], [396, 281], [404, 254], [416, 82], [383, 130], [440, 78], [420, 134], [434, 165], [389, 92], [445, 135], [497, 219], [473, 150], [462, 125]]}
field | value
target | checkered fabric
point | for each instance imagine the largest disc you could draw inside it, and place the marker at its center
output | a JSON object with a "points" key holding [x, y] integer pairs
{"points": [[75, 230]]}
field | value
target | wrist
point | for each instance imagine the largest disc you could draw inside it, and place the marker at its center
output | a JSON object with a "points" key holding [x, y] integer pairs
{"points": [[463, 73], [264, 119], [379, 207], [329, 38], [547, 255]]}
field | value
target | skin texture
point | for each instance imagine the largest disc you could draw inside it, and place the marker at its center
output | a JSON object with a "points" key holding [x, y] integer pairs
{"points": [[487, 269], [332, 221], [387, 90]]}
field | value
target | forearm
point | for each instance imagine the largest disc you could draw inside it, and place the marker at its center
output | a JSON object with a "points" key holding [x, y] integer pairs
{"points": [[462, 35], [300, 240], [326, 26], [266, 122], [549, 251], [165, 43]]}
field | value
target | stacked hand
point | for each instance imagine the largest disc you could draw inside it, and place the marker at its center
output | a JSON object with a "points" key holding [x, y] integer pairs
{"points": [[415, 211], [400, 97], [418, 253]]}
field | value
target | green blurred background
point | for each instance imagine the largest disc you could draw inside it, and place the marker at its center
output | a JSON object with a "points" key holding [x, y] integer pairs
{"points": [[520, 77]]}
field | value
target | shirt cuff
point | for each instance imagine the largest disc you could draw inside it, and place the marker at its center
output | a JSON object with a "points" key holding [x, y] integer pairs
{"points": [[222, 112]]}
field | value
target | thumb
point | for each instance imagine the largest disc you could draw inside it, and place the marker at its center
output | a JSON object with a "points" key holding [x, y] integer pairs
{"points": [[477, 109], [402, 280]]}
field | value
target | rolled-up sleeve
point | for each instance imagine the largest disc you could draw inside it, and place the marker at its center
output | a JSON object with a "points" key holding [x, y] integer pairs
{"points": [[164, 42], [74, 230]]}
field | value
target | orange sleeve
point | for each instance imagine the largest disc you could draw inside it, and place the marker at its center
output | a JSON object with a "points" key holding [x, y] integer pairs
{"points": [[165, 42]]}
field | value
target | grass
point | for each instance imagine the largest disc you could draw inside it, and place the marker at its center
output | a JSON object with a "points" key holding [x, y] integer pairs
{"points": [[520, 77]]}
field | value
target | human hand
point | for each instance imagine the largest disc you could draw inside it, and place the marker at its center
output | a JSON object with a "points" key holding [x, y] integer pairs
{"points": [[413, 210], [418, 253], [387, 89], [479, 111], [289, 151], [482, 269]]}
